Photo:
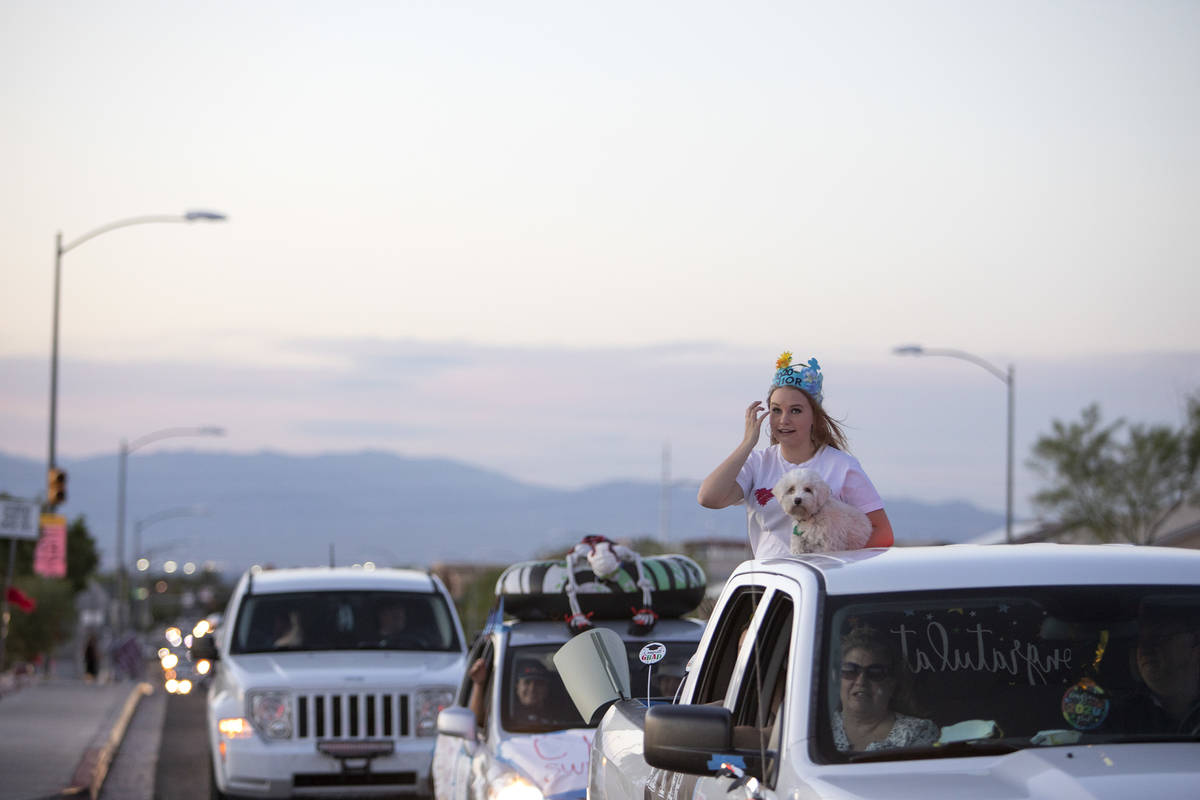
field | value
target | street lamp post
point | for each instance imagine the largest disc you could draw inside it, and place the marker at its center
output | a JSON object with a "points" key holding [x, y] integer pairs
{"points": [[170, 513], [1007, 377], [127, 448], [59, 250]]}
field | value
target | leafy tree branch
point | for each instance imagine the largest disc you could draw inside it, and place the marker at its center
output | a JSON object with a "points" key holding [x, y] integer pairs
{"points": [[1121, 481]]}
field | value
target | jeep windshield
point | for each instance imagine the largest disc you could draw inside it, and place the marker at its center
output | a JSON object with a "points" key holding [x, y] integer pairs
{"points": [[344, 620], [925, 675], [534, 700]]}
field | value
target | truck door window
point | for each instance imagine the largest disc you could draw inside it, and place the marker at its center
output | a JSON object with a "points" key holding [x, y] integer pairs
{"points": [[713, 681], [757, 713]]}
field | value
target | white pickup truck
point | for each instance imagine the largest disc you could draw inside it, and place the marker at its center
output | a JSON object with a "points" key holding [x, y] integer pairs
{"points": [[328, 681], [1029, 671]]}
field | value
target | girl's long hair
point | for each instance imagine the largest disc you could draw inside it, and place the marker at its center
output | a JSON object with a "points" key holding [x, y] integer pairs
{"points": [[826, 430]]}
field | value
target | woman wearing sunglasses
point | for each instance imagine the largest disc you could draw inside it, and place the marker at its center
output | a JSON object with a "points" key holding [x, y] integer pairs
{"points": [[874, 686]]}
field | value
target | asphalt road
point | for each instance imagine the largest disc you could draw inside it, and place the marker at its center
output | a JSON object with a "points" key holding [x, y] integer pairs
{"points": [[164, 755]]}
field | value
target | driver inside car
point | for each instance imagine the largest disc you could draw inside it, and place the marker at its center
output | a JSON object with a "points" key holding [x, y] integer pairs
{"points": [[1168, 663], [288, 632], [393, 621], [874, 686], [531, 692]]}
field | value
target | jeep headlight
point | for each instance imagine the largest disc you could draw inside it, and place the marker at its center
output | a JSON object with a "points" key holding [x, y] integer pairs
{"points": [[511, 786], [271, 713], [429, 703], [234, 728]]}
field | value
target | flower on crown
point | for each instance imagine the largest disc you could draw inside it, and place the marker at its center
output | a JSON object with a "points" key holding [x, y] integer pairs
{"points": [[807, 377]]}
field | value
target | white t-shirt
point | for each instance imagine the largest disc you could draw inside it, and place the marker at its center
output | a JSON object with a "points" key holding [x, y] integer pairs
{"points": [[769, 527]]}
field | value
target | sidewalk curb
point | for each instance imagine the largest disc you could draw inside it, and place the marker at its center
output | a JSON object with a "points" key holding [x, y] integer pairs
{"points": [[93, 767], [11, 683]]}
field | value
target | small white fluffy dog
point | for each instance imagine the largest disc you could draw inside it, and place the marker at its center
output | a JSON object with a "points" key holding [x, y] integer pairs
{"points": [[823, 522]]}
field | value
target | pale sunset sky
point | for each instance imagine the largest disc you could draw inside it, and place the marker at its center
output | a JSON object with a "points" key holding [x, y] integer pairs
{"points": [[549, 238]]}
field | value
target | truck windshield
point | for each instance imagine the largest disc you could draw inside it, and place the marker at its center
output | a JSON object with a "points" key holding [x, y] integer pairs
{"points": [[534, 700], [931, 674], [345, 620]]}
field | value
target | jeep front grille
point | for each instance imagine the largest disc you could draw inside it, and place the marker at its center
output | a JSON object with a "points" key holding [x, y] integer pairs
{"points": [[351, 716]]}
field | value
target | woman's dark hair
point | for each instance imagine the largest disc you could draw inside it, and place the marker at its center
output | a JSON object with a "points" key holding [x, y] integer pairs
{"points": [[826, 430]]}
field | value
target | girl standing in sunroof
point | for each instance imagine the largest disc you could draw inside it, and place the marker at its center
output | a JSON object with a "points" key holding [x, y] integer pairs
{"points": [[802, 435]]}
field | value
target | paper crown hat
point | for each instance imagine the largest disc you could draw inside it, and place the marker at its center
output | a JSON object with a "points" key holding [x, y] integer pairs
{"points": [[807, 377]]}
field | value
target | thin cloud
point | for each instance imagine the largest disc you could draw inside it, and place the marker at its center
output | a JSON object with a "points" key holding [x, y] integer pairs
{"points": [[932, 429]]}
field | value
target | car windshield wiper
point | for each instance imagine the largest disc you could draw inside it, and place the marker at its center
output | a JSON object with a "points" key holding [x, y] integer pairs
{"points": [[975, 747]]}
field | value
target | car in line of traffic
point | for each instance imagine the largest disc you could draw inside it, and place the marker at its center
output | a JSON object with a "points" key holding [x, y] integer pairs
{"points": [[1024, 671], [512, 733], [328, 681]]}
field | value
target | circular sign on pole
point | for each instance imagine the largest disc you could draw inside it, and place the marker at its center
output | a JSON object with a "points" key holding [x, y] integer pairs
{"points": [[653, 653]]}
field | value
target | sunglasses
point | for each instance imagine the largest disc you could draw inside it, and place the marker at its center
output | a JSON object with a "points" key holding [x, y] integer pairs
{"points": [[874, 672]]}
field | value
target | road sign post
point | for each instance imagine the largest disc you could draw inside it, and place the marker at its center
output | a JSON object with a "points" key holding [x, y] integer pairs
{"points": [[18, 520]]}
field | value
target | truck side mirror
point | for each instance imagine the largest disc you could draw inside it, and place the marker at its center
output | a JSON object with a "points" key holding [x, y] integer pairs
{"points": [[688, 738], [457, 721], [595, 670]]}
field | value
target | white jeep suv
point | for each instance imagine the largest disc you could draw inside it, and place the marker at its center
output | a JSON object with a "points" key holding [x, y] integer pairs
{"points": [[329, 681]]}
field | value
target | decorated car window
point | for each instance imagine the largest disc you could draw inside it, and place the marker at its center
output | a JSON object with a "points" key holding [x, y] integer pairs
{"points": [[533, 698], [656, 669], [1007, 669]]}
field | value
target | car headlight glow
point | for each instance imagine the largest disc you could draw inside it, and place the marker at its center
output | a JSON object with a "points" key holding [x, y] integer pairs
{"points": [[271, 713], [511, 786], [429, 703], [235, 728]]}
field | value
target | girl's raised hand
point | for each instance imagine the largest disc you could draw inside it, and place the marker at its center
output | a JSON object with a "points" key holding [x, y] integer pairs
{"points": [[754, 417]]}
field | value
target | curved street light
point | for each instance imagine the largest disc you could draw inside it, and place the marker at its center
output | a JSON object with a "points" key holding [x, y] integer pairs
{"points": [[141, 524], [59, 250], [170, 513], [146, 561], [1004, 375], [122, 461]]}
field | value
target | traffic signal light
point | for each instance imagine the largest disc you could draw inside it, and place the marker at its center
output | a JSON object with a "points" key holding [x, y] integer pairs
{"points": [[56, 487]]}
